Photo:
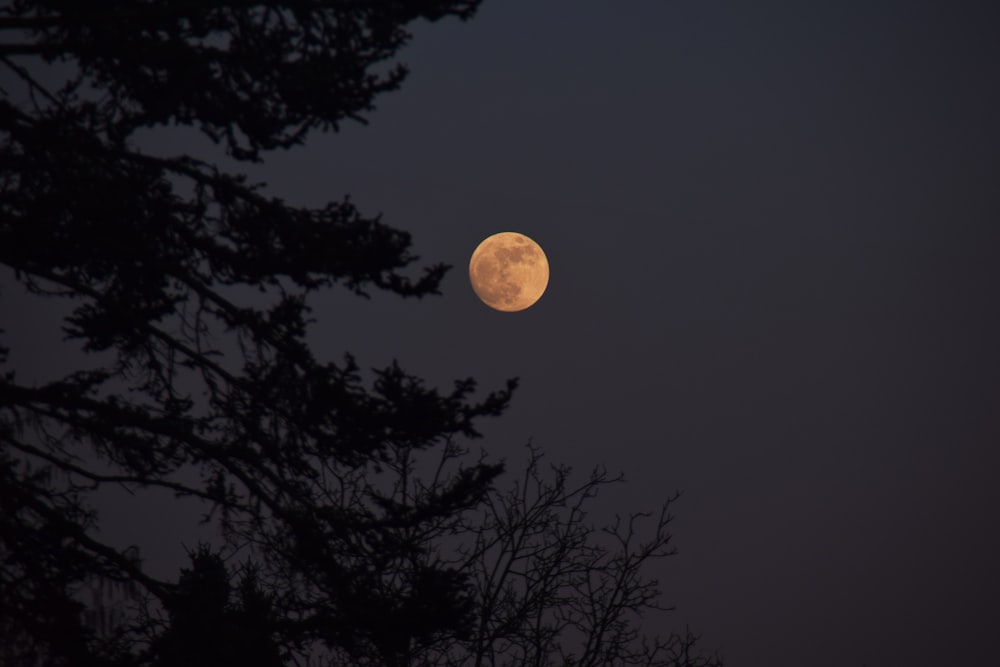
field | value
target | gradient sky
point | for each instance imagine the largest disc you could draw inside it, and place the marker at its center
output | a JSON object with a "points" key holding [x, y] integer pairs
{"points": [[773, 236]]}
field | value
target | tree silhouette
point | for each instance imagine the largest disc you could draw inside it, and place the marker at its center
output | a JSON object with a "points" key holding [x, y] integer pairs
{"points": [[211, 624], [153, 251], [550, 586], [190, 287]]}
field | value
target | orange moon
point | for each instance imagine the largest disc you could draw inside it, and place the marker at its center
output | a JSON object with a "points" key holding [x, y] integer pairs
{"points": [[509, 271]]}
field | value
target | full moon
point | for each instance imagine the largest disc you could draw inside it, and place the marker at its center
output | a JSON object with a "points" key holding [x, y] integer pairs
{"points": [[509, 271]]}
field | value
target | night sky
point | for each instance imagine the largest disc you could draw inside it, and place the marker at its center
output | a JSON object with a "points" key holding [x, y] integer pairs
{"points": [[773, 235]]}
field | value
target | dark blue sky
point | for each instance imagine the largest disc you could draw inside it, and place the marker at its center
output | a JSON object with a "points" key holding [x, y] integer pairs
{"points": [[773, 236]]}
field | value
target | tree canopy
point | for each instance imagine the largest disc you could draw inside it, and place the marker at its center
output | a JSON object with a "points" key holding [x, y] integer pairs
{"points": [[192, 287]]}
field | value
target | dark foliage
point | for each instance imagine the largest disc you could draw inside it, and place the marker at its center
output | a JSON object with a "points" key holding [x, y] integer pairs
{"points": [[208, 393], [256, 75], [211, 624]]}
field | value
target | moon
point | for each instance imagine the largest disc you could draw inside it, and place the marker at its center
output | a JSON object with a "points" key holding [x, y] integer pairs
{"points": [[509, 271]]}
